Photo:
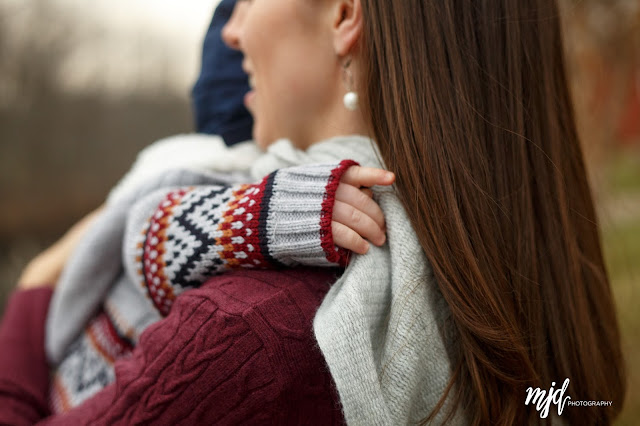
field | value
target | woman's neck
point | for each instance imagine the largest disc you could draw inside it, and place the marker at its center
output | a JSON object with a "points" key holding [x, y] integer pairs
{"points": [[335, 120]]}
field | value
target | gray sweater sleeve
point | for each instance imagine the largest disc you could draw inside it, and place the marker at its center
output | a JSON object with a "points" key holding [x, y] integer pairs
{"points": [[96, 262]]}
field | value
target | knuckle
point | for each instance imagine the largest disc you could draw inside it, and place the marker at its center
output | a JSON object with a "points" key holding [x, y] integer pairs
{"points": [[363, 202], [342, 194], [340, 211], [356, 216]]}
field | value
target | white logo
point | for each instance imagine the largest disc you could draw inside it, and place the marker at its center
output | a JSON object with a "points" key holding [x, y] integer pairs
{"points": [[543, 400]]}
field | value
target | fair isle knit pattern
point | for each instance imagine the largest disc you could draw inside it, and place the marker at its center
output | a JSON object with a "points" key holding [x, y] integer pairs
{"points": [[196, 233], [178, 238], [90, 364]]}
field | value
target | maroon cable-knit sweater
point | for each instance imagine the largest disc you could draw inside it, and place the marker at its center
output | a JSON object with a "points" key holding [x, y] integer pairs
{"points": [[238, 350]]}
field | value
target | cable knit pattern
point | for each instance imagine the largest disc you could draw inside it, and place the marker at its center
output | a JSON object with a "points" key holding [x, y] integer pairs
{"points": [[238, 350]]}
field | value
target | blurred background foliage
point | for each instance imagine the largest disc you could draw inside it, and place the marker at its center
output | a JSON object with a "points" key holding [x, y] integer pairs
{"points": [[602, 39], [66, 136], [78, 100]]}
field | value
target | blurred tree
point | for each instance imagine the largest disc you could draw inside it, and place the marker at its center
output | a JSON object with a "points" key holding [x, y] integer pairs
{"points": [[603, 46], [62, 148]]}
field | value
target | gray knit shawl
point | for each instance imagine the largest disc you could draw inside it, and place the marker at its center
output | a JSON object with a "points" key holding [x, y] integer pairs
{"points": [[379, 325]]}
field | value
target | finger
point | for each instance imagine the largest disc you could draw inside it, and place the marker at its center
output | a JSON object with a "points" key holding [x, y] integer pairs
{"points": [[353, 196], [359, 222], [367, 176], [347, 238], [368, 192]]}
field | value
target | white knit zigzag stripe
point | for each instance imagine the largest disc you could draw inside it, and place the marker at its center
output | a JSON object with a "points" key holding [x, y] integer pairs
{"points": [[199, 206]]}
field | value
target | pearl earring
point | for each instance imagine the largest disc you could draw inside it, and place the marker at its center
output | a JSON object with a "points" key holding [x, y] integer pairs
{"points": [[350, 98]]}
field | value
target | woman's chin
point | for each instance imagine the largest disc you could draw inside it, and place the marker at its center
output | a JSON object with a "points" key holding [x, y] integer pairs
{"points": [[262, 140]]}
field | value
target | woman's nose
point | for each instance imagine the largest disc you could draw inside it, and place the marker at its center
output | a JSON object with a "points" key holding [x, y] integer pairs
{"points": [[231, 31]]}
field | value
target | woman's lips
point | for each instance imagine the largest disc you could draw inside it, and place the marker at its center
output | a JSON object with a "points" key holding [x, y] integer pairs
{"points": [[249, 98]]}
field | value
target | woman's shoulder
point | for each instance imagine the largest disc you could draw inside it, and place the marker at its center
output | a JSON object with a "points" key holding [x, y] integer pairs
{"points": [[238, 350], [255, 328]]}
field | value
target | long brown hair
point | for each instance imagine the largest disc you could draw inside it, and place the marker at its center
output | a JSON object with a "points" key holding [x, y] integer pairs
{"points": [[474, 116]]}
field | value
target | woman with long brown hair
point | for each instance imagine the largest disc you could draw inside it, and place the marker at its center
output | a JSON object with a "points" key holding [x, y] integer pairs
{"points": [[475, 118], [489, 168], [492, 285]]}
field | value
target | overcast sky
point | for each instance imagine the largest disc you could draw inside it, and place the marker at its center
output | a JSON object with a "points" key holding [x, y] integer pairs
{"points": [[177, 27], [184, 19], [119, 41]]}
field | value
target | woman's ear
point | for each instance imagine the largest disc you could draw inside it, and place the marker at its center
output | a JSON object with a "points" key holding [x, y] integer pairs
{"points": [[347, 25]]}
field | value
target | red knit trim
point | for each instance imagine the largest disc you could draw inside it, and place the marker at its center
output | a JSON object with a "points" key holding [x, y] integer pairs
{"points": [[239, 224], [155, 280], [334, 254], [105, 340]]}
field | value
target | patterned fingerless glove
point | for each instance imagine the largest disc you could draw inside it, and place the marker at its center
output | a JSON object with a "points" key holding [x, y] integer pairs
{"points": [[195, 233]]}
